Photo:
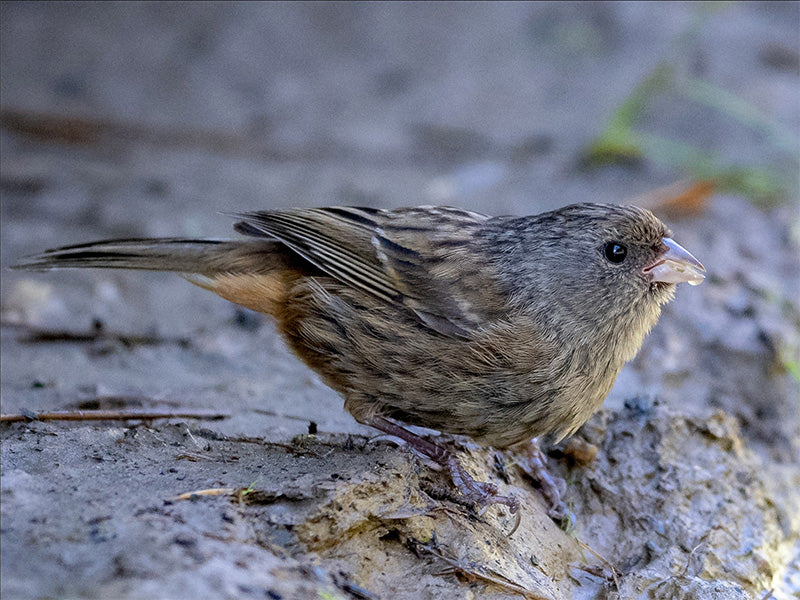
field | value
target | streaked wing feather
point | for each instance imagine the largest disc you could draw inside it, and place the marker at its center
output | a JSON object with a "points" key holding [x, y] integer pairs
{"points": [[422, 258], [329, 240], [440, 270]]}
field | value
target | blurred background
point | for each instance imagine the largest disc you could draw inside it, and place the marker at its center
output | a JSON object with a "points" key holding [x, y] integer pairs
{"points": [[505, 108], [151, 118]]}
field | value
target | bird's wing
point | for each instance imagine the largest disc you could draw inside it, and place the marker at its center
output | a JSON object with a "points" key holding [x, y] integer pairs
{"points": [[428, 259]]}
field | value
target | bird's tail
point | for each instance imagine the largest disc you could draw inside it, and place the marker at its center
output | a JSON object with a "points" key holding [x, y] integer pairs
{"points": [[204, 257], [257, 274]]}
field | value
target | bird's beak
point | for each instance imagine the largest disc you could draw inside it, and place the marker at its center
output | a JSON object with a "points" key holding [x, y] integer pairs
{"points": [[676, 265]]}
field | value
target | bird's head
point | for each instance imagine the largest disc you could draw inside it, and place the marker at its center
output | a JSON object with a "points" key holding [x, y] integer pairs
{"points": [[631, 249], [602, 261]]}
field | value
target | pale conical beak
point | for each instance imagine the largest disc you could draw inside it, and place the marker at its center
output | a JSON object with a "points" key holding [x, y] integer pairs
{"points": [[676, 265]]}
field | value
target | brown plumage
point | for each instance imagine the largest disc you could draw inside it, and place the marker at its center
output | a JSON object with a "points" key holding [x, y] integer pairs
{"points": [[499, 328]]}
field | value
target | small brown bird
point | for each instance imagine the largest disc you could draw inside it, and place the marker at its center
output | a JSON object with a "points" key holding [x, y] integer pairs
{"points": [[498, 328]]}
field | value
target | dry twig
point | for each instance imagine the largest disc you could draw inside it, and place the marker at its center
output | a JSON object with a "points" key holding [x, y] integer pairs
{"points": [[111, 415], [98, 333], [473, 571]]}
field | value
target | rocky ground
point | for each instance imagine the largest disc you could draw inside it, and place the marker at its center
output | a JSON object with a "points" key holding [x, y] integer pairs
{"points": [[151, 119]]}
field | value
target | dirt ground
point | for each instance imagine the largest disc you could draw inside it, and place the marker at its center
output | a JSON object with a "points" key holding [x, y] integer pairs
{"points": [[151, 119]]}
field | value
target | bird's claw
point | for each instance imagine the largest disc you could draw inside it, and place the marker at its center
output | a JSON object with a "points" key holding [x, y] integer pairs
{"points": [[552, 488], [482, 493]]}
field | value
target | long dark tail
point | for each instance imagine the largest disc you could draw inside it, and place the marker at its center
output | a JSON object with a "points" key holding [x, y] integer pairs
{"points": [[205, 257], [257, 273]]}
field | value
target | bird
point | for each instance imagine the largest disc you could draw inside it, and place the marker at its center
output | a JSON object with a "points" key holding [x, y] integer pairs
{"points": [[502, 329]]}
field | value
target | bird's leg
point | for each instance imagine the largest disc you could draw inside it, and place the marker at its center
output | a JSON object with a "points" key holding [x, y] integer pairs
{"points": [[534, 465], [481, 493]]}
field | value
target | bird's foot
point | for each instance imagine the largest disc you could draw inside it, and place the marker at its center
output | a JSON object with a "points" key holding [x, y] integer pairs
{"points": [[534, 465], [481, 493]]}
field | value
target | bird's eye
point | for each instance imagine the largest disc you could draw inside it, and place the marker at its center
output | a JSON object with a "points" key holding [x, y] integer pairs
{"points": [[615, 252]]}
